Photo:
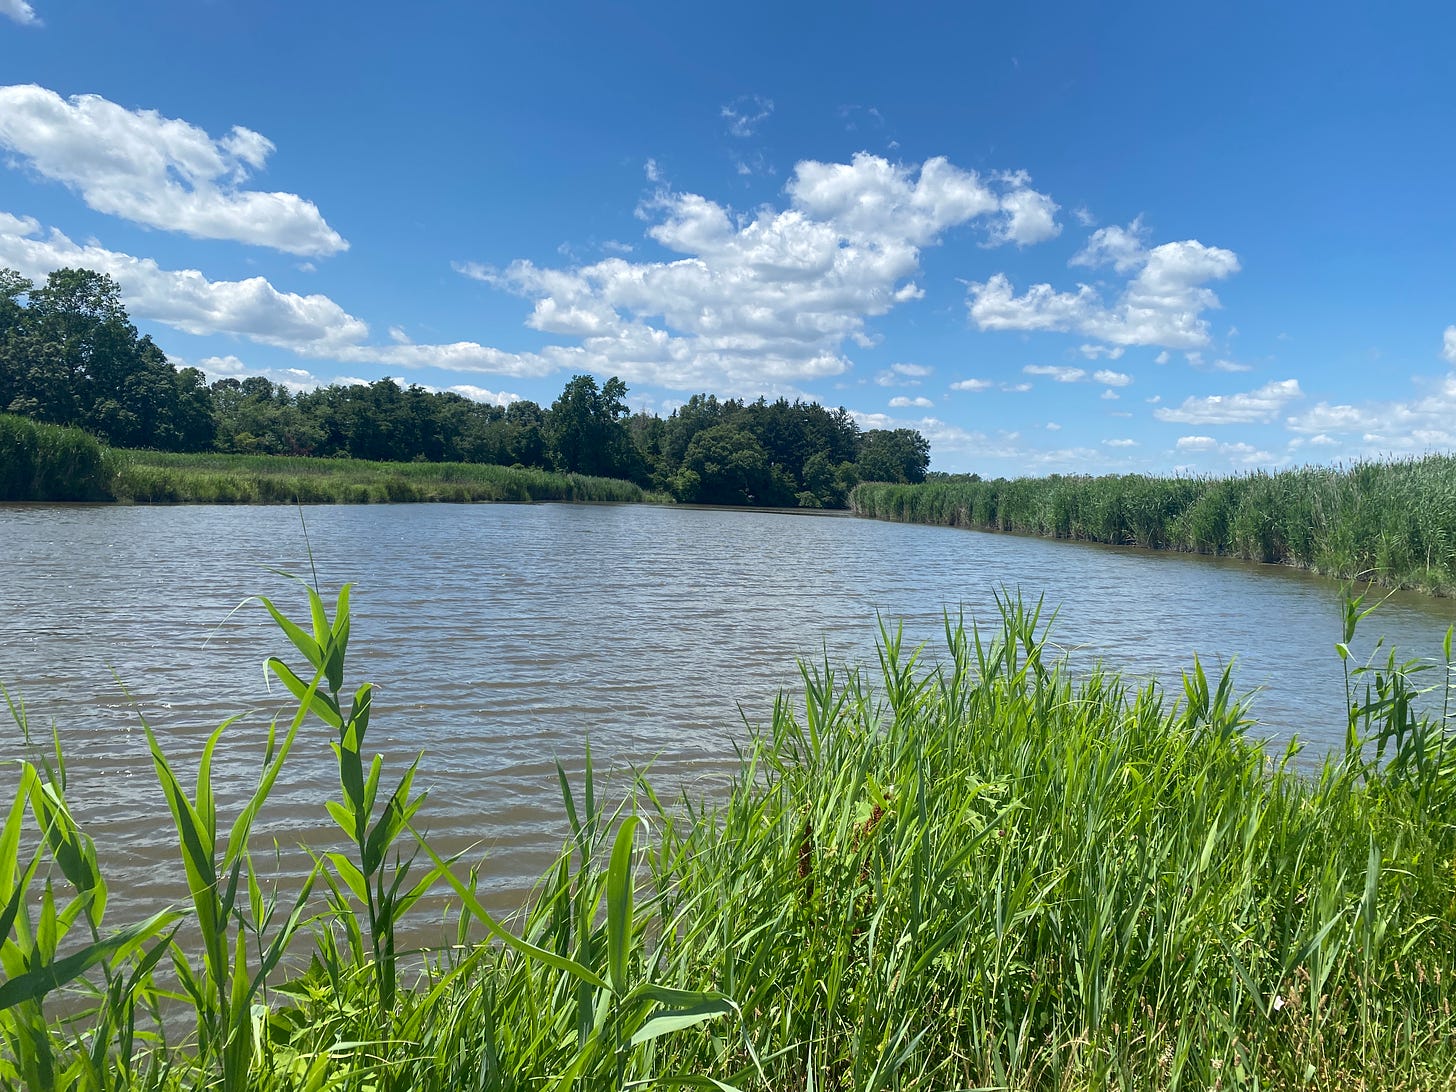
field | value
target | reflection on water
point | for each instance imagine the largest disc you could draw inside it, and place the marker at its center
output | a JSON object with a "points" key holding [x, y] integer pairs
{"points": [[502, 638]]}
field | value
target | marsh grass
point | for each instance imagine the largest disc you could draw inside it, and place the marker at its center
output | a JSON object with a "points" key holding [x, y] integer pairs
{"points": [[149, 477], [980, 873], [1392, 522], [48, 462]]}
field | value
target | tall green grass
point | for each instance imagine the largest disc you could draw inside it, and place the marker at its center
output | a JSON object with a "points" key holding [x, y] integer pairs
{"points": [[48, 462], [978, 872], [1392, 522], [149, 477]]}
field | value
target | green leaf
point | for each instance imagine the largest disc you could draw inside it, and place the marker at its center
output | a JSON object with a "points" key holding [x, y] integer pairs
{"points": [[39, 981], [526, 948], [619, 904], [301, 640], [665, 1020]]}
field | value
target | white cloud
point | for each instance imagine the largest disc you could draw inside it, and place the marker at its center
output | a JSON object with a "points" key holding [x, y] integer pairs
{"points": [[311, 326], [398, 336], [480, 394], [1110, 395], [1161, 305], [161, 172], [1161, 358], [221, 365], [1240, 453], [1095, 352], [762, 300], [1061, 375], [1111, 379], [1125, 249], [1084, 217], [1029, 217], [1448, 348], [972, 385], [1016, 388], [1196, 443], [903, 375], [20, 11], [1262, 405], [1424, 423], [1052, 426], [745, 113], [900, 401], [1121, 443], [1231, 366]]}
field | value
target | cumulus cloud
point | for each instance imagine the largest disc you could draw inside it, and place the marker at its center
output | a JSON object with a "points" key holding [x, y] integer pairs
{"points": [[976, 385], [311, 326], [20, 11], [903, 375], [1121, 443], [1241, 453], [1028, 217], [158, 171], [1424, 423], [1111, 378], [1448, 348], [1061, 375], [1161, 304], [760, 300], [901, 401], [1260, 406], [1095, 352], [480, 394]]}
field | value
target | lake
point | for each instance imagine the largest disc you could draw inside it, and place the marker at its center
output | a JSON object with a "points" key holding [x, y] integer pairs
{"points": [[504, 637]]}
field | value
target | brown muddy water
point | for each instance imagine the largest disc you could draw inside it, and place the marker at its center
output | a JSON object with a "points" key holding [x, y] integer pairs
{"points": [[502, 638]]}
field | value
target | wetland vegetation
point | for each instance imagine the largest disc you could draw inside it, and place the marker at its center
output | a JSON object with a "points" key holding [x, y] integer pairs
{"points": [[1391, 522], [977, 870]]}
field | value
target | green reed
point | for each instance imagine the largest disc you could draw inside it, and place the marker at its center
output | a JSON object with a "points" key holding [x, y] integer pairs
{"points": [[149, 477], [49, 462], [971, 870], [1392, 522]]}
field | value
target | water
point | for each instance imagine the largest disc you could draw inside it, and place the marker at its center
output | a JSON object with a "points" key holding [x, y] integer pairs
{"points": [[504, 637]]}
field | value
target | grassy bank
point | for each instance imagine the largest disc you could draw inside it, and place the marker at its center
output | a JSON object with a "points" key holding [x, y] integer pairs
{"points": [[40, 462], [150, 477], [1394, 522], [981, 874], [48, 462]]}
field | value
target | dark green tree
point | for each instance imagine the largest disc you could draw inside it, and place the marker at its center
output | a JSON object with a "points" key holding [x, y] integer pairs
{"points": [[894, 455]]}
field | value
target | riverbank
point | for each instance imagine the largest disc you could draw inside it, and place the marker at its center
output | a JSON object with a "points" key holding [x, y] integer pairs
{"points": [[41, 462], [1393, 523], [987, 873]]}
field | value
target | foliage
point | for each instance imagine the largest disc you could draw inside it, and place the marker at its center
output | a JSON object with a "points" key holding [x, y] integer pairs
{"points": [[49, 462], [1393, 522], [981, 872], [69, 355]]}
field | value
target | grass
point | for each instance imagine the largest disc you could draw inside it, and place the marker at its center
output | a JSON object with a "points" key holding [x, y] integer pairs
{"points": [[48, 462], [148, 477], [1391, 522], [981, 872], [40, 462]]}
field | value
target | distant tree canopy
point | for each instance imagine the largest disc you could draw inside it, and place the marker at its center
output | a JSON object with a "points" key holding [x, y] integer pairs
{"points": [[70, 356]]}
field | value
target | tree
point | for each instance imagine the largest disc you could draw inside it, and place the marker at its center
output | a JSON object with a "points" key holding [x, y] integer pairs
{"points": [[729, 467], [894, 455], [587, 432]]}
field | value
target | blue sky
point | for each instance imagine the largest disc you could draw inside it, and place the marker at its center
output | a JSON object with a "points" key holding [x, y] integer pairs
{"points": [[1052, 238]]}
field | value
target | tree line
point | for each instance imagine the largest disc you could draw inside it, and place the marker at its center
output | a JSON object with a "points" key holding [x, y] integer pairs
{"points": [[69, 355]]}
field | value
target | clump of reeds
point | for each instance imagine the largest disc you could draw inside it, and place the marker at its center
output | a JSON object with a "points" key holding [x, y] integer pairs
{"points": [[166, 478], [50, 462], [981, 871], [1393, 522]]}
